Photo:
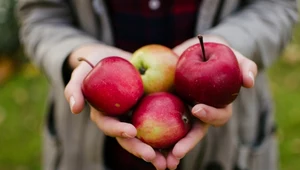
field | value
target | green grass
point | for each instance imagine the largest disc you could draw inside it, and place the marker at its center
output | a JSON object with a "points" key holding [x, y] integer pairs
{"points": [[22, 105], [285, 84]]}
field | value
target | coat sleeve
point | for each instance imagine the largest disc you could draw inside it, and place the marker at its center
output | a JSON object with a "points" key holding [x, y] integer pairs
{"points": [[261, 30], [49, 35]]}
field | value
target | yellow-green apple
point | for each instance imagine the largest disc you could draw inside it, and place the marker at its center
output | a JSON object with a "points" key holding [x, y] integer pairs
{"points": [[208, 73], [156, 64], [113, 86], [161, 119]]}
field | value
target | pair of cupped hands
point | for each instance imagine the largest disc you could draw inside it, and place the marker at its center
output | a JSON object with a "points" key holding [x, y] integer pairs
{"points": [[125, 132]]}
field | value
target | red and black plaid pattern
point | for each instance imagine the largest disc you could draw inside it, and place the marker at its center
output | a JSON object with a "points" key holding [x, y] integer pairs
{"points": [[135, 24]]}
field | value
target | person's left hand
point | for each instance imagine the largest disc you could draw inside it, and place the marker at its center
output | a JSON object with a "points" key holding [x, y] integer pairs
{"points": [[207, 115]]}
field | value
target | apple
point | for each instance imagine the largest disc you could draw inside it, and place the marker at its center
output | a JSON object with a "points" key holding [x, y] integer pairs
{"points": [[113, 86], [161, 119], [208, 73], [156, 64]]}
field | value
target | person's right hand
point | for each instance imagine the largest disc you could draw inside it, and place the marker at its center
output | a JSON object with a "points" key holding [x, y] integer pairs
{"points": [[125, 133], [93, 53]]}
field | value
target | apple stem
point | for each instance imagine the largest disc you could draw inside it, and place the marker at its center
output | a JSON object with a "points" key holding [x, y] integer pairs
{"points": [[142, 70], [87, 61], [200, 37]]}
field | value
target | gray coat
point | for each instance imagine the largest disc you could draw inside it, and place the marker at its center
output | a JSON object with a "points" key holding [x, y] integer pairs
{"points": [[259, 29]]}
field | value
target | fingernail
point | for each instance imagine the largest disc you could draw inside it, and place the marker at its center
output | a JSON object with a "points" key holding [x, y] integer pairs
{"points": [[125, 135], [145, 159], [178, 158], [72, 102], [251, 75], [199, 111]]}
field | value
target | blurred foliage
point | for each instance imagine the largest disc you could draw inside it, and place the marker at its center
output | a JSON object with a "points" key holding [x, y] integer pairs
{"points": [[285, 84], [9, 39], [22, 107], [11, 53]]}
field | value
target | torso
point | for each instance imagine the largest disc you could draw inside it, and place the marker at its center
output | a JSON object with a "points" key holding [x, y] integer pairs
{"points": [[140, 22]]}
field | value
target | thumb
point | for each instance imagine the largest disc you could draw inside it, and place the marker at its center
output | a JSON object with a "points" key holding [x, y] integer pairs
{"points": [[248, 69], [73, 93]]}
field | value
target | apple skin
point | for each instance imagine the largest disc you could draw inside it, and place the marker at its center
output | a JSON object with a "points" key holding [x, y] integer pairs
{"points": [[156, 64], [161, 119], [113, 86], [214, 80]]}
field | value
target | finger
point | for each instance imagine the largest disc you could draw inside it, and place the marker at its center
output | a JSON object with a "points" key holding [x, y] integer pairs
{"points": [[211, 115], [248, 69], [172, 161], [138, 148], [159, 161], [186, 144], [179, 49], [111, 126], [73, 93]]}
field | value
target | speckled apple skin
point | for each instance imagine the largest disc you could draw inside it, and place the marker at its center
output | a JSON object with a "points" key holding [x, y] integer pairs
{"points": [[159, 63], [113, 86], [215, 81], [161, 119]]}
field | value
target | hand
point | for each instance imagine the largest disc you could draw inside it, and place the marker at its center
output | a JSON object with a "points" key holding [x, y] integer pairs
{"points": [[124, 132], [208, 115], [247, 66], [94, 53]]}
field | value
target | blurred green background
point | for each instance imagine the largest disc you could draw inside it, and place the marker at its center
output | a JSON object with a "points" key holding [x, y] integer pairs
{"points": [[23, 95]]}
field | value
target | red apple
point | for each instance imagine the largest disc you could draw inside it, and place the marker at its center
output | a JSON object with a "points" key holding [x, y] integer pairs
{"points": [[161, 119], [113, 86], [208, 73], [156, 64]]}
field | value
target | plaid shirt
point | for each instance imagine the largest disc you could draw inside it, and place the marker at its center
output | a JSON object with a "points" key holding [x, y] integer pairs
{"points": [[140, 22]]}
